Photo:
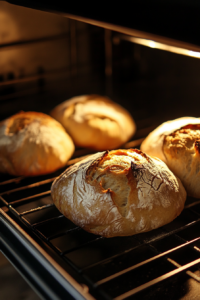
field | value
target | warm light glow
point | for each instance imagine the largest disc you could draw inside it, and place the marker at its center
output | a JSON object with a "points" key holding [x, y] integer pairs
{"points": [[194, 54], [152, 44], [160, 46]]}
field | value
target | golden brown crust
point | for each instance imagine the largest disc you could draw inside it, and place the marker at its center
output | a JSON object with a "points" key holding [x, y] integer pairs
{"points": [[179, 148], [95, 122], [32, 143], [119, 193]]}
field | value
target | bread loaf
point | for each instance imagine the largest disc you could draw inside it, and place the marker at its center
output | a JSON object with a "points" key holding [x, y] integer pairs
{"points": [[177, 143], [119, 193], [95, 122], [33, 143]]}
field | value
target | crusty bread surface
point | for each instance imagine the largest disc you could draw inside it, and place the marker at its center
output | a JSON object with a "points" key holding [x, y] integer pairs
{"points": [[119, 193], [177, 143], [95, 122], [33, 143]]}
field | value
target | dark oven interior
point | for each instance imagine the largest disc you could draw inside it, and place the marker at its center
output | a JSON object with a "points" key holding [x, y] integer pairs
{"points": [[44, 60]]}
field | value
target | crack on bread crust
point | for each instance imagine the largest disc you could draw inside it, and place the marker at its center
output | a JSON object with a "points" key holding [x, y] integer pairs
{"points": [[17, 124], [92, 167], [182, 148], [191, 126], [141, 153], [111, 179], [197, 146], [140, 173]]}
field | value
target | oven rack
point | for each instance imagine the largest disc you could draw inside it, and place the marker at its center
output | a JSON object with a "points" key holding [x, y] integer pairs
{"points": [[117, 268]]}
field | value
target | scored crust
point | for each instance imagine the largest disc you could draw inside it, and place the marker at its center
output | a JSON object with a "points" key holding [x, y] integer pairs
{"points": [[33, 143], [119, 193], [95, 122], [177, 144]]}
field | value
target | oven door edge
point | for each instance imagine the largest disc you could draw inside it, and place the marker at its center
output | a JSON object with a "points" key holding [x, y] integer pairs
{"points": [[44, 275]]}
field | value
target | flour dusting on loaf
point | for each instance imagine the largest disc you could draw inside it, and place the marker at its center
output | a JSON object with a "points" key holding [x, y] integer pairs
{"points": [[119, 193]]}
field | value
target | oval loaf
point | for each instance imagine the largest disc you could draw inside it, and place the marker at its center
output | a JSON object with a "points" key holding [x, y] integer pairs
{"points": [[177, 143], [119, 193], [33, 143], [95, 122]]}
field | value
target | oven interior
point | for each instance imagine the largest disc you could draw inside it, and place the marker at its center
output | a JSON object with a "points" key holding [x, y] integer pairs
{"points": [[44, 60]]}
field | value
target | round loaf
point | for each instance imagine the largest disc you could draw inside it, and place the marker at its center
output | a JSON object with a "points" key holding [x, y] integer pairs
{"points": [[177, 143], [33, 143], [119, 193], [95, 122]]}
